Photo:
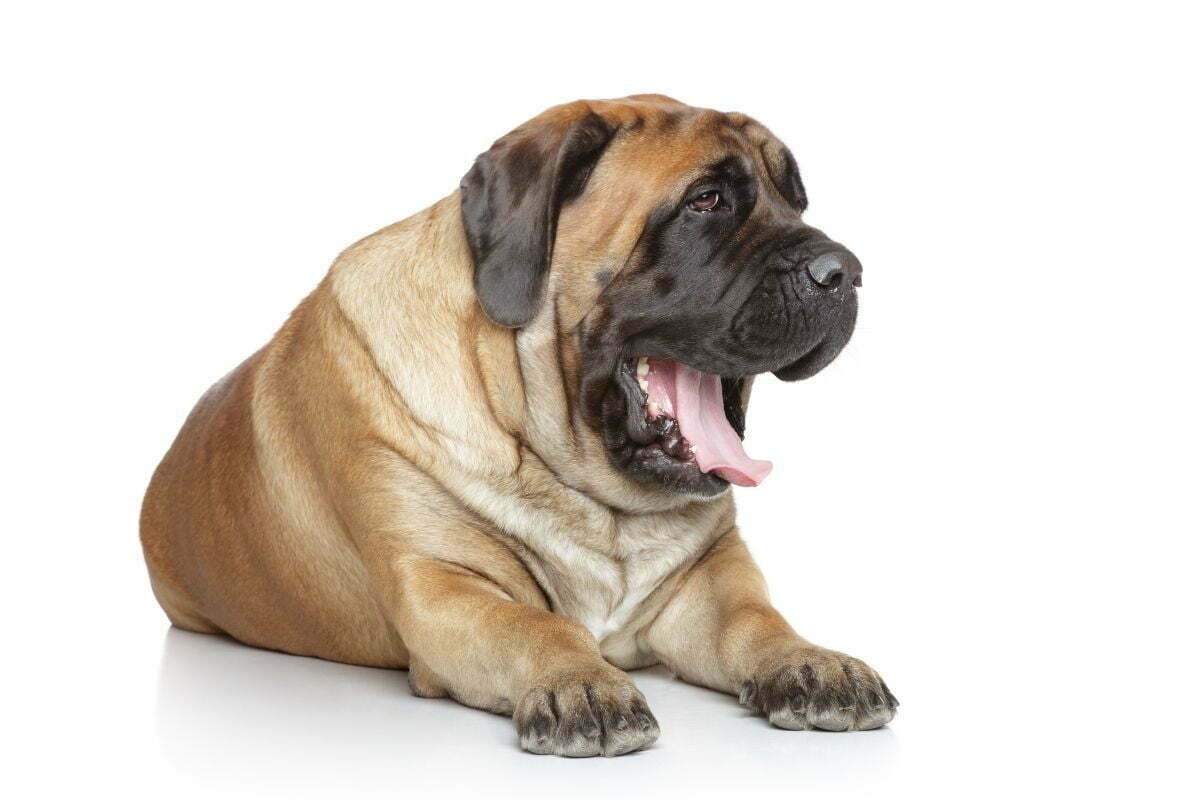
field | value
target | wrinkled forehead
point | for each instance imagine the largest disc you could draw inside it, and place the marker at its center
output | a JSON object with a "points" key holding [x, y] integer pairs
{"points": [[657, 155], [660, 151]]}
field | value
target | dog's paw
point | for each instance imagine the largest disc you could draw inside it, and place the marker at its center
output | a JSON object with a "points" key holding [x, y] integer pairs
{"points": [[817, 688], [592, 713]]}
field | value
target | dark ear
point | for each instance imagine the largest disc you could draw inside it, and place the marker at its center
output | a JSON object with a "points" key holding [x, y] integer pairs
{"points": [[510, 204], [784, 172]]}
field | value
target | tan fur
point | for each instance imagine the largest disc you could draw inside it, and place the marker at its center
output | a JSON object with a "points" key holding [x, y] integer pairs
{"points": [[396, 481]]}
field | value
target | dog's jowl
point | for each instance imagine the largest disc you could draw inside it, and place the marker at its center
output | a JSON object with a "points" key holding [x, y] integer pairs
{"points": [[495, 445]]}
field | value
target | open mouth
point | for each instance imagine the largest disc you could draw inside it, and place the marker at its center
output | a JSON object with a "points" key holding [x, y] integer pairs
{"points": [[690, 417]]}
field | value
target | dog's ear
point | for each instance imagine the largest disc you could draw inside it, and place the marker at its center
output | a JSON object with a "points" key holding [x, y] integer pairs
{"points": [[784, 173], [510, 204]]}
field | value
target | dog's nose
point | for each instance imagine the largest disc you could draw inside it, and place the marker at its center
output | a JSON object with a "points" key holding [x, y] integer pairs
{"points": [[832, 268]]}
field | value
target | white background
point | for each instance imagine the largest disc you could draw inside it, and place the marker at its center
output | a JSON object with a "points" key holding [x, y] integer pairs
{"points": [[990, 496]]}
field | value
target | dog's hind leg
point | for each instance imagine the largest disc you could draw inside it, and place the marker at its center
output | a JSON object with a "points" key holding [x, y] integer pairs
{"points": [[180, 610]]}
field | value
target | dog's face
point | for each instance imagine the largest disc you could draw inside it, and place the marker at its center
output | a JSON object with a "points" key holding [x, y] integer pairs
{"points": [[684, 267]]}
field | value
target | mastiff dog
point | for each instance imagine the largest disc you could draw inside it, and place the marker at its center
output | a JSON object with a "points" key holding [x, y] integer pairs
{"points": [[494, 447]]}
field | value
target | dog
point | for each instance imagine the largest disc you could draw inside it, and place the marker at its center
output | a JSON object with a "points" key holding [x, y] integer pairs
{"points": [[494, 447]]}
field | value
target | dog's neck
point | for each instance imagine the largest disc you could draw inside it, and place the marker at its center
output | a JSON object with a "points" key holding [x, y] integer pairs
{"points": [[516, 396]]}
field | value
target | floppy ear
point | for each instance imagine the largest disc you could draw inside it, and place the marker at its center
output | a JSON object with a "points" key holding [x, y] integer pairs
{"points": [[510, 204], [784, 172]]}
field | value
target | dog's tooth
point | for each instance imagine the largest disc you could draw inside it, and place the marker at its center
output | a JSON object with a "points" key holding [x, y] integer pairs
{"points": [[642, 382], [652, 407], [643, 368]]}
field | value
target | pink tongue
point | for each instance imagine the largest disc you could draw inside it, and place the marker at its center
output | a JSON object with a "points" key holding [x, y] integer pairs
{"points": [[694, 399]]}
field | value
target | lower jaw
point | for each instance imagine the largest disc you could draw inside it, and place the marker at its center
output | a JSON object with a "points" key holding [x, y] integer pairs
{"points": [[660, 469], [664, 458]]}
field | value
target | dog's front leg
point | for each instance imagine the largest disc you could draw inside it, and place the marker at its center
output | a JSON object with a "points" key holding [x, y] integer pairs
{"points": [[467, 638], [720, 630]]}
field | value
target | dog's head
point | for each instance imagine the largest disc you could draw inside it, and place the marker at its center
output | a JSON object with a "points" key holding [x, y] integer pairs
{"points": [[680, 267]]}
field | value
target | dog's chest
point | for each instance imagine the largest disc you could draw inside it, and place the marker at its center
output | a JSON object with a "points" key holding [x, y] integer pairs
{"points": [[594, 564], [606, 588]]}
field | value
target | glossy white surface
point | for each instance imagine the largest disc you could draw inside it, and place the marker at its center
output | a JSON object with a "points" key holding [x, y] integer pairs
{"points": [[226, 713], [216, 718]]}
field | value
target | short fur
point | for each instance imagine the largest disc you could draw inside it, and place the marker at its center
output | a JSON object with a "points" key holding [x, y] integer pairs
{"points": [[402, 479]]}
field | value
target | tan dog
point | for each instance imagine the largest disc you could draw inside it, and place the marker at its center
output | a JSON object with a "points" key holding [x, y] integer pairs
{"points": [[494, 446]]}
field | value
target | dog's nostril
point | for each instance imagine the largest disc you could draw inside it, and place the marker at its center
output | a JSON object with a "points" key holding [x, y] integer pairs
{"points": [[830, 269]]}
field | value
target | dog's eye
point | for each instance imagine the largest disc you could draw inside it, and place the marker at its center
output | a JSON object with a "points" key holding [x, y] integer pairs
{"points": [[707, 201]]}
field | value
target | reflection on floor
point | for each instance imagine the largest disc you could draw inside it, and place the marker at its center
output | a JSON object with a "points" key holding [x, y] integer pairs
{"points": [[234, 715]]}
